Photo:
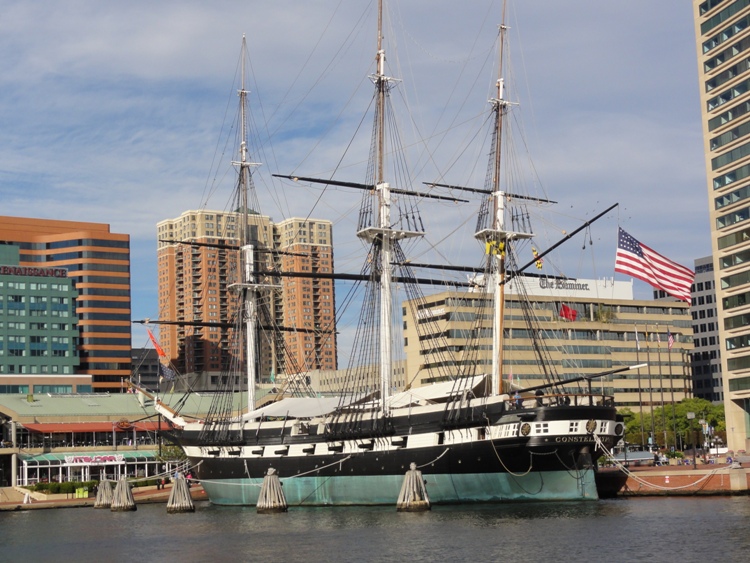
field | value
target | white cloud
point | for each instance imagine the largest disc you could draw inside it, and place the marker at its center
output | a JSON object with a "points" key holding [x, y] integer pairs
{"points": [[111, 111]]}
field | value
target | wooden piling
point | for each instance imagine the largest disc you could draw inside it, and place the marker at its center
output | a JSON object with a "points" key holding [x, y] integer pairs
{"points": [[123, 500], [413, 496], [180, 499], [271, 499], [104, 494]]}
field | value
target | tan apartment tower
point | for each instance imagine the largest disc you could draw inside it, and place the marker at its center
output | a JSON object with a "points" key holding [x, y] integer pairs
{"points": [[307, 303], [99, 263], [197, 265], [722, 30]]}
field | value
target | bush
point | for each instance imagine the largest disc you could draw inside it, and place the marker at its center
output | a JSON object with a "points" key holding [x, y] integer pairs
{"points": [[66, 487], [70, 487]]}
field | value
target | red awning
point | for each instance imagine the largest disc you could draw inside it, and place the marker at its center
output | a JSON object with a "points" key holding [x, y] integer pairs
{"points": [[81, 427]]}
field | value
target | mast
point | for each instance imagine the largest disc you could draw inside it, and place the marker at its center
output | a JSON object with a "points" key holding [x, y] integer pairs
{"points": [[499, 223], [496, 237], [380, 234], [247, 283], [377, 227], [383, 189]]}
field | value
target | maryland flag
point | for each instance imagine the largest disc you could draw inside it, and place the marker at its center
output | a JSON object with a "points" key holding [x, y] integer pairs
{"points": [[494, 247], [539, 261]]}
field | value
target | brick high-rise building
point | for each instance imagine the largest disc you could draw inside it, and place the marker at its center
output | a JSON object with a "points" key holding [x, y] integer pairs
{"points": [[197, 261], [307, 303], [99, 263]]}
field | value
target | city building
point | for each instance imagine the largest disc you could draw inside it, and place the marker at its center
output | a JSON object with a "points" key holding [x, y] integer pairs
{"points": [[197, 267], [38, 329], [722, 30], [146, 368], [307, 303], [333, 381], [197, 264], [98, 262], [706, 363], [88, 436], [589, 325]]}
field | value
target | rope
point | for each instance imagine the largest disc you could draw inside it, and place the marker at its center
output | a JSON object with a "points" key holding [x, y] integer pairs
{"points": [[508, 471], [574, 472], [247, 472], [319, 468], [497, 455], [165, 473], [341, 461], [434, 460], [643, 482]]}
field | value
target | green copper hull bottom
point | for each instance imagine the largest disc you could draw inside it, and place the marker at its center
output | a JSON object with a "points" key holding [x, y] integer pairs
{"points": [[384, 490]]}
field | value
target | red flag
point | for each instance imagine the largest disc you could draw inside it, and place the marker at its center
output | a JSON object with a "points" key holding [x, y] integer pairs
{"points": [[568, 313], [638, 260], [159, 349]]}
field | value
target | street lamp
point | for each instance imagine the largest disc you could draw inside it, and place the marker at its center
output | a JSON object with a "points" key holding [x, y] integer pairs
{"points": [[691, 417]]}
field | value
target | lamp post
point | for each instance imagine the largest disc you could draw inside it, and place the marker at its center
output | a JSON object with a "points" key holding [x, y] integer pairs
{"points": [[691, 417]]}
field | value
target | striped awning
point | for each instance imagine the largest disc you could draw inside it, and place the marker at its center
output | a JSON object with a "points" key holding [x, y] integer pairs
{"points": [[89, 458]]}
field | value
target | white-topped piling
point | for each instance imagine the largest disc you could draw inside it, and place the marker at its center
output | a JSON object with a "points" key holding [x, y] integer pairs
{"points": [[413, 496], [104, 494], [180, 499], [123, 500], [271, 498]]}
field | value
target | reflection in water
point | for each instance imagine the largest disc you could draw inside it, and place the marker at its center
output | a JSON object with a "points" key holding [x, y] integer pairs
{"points": [[645, 529]]}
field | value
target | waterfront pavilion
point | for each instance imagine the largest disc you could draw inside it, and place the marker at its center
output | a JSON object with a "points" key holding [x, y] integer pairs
{"points": [[88, 436], [60, 467]]}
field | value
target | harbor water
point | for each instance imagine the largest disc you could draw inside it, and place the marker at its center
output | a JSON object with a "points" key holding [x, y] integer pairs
{"points": [[635, 529]]}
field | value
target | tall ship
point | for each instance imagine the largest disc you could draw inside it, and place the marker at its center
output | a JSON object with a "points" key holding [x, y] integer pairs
{"points": [[474, 434]]}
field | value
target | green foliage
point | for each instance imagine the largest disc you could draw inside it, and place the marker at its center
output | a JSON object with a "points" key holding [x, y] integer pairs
{"points": [[604, 314], [172, 453], [65, 487], [671, 418]]}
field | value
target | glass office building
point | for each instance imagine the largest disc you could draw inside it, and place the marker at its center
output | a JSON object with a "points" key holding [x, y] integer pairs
{"points": [[98, 263], [722, 30]]}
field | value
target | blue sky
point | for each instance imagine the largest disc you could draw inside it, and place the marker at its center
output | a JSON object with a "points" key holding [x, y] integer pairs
{"points": [[113, 112]]}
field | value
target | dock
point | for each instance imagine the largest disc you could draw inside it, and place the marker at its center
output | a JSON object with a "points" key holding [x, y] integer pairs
{"points": [[674, 480], [12, 498]]}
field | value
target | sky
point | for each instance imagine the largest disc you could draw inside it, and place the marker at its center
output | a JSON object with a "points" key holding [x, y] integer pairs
{"points": [[118, 112]]}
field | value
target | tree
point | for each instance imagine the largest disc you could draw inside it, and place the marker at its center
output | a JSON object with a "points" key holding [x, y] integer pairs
{"points": [[172, 453], [674, 418]]}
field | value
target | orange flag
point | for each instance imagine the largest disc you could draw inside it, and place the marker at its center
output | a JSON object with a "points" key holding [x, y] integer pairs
{"points": [[159, 349]]}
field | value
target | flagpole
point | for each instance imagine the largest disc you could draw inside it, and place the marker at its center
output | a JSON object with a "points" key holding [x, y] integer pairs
{"points": [[650, 387], [670, 343], [661, 385], [640, 398]]}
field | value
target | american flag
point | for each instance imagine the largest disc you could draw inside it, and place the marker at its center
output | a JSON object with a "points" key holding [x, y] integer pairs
{"points": [[670, 339], [639, 261]]}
